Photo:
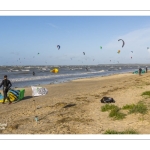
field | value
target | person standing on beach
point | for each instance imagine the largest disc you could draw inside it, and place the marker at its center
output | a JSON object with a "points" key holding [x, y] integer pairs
{"points": [[140, 70], [6, 86], [146, 69]]}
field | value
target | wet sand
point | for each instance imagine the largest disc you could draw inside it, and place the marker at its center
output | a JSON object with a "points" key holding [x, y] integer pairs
{"points": [[75, 108]]}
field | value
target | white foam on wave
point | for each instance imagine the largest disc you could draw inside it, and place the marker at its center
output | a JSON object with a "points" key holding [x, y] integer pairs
{"points": [[14, 70], [102, 71], [25, 70]]}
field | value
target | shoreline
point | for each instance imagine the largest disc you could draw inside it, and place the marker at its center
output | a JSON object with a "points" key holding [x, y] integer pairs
{"points": [[69, 80], [74, 107]]}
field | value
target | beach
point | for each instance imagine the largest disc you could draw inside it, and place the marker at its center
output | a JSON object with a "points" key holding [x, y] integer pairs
{"points": [[74, 107]]}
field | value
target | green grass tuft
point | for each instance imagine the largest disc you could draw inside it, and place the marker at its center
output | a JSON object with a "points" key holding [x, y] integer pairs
{"points": [[128, 106], [128, 131], [114, 111], [108, 107], [140, 107], [147, 93], [116, 114]]}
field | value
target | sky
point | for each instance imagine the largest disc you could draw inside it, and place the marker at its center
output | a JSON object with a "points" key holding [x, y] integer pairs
{"points": [[33, 40]]}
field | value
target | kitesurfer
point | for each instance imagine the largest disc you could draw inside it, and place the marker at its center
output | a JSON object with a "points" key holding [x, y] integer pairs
{"points": [[140, 70], [6, 86], [33, 73], [146, 69]]}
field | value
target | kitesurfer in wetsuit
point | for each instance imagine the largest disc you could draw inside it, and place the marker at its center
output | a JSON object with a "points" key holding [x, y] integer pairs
{"points": [[33, 73], [6, 86], [140, 71], [146, 69]]}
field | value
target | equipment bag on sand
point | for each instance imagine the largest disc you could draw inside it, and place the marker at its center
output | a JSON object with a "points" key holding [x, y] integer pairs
{"points": [[107, 100]]}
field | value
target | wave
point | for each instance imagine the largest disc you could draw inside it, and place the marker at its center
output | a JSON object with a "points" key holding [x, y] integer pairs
{"points": [[25, 70], [13, 70], [54, 76], [102, 71]]}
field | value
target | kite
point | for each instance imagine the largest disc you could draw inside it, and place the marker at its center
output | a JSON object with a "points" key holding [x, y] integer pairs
{"points": [[84, 53], [100, 47], [132, 51], [55, 70], [147, 47], [118, 51], [38, 91], [58, 46], [122, 41], [131, 57]]}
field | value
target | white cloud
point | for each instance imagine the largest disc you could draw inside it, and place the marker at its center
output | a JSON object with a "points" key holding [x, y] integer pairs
{"points": [[52, 25]]}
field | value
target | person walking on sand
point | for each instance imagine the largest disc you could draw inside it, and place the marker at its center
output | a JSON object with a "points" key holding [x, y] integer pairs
{"points": [[6, 86], [140, 71], [146, 69]]}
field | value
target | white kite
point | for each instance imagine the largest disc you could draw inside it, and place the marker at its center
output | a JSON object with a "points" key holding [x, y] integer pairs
{"points": [[38, 91]]}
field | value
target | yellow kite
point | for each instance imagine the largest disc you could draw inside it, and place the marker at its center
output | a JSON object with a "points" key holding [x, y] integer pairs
{"points": [[55, 70]]}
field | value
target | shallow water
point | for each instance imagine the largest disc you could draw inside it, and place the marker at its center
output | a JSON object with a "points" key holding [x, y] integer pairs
{"points": [[21, 76]]}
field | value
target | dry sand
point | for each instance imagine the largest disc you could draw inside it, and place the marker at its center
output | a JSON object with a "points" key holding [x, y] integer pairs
{"points": [[75, 108]]}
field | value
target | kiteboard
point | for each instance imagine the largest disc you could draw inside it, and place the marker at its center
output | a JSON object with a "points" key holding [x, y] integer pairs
{"points": [[1, 98], [12, 94]]}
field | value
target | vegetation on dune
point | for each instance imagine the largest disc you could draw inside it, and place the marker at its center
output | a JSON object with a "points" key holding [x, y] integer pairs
{"points": [[146, 93], [128, 131], [140, 107], [115, 111]]}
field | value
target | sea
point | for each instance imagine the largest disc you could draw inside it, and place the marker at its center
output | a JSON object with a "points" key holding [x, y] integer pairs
{"points": [[22, 76]]}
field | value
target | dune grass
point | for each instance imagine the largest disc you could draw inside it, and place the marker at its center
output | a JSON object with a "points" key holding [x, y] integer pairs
{"points": [[128, 131], [128, 106], [116, 114], [146, 93], [114, 111], [108, 107], [140, 107]]}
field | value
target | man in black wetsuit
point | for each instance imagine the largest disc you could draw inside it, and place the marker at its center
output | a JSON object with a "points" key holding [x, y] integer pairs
{"points": [[140, 71], [146, 69], [6, 86]]}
